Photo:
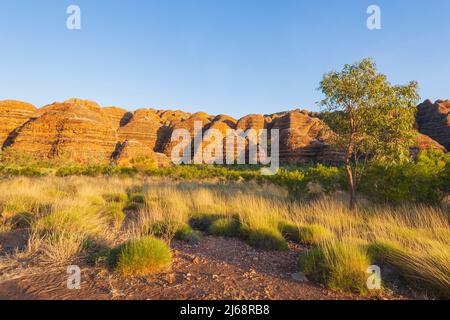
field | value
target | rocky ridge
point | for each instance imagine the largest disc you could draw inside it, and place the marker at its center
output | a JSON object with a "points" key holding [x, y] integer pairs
{"points": [[84, 132]]}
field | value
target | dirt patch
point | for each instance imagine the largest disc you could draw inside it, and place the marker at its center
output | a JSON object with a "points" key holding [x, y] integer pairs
{"points": [[217, 268]]}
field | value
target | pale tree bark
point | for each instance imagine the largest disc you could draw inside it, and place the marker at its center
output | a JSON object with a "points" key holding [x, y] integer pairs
{"points": [[351, 185]]}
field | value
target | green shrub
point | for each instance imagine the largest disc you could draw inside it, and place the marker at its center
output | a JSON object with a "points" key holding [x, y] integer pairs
{"points": [[187, 234], [423, 181], [338, 265], [226, 227], [165, 228], [331, 179], [293, 181], [265, 238], [203, 221], [141, 257]]}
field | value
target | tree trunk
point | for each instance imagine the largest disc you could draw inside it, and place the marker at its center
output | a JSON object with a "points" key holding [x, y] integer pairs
{"points": [[351, 185]]}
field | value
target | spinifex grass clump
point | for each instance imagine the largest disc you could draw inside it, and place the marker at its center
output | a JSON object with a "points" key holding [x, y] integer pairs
{"points": [[313, 234], [114, 213], [289, 230], [187, 234], [265, 238], [338, 265], [225, 227], [59, 236], [203, 222], [141, 257], [429, 272]]}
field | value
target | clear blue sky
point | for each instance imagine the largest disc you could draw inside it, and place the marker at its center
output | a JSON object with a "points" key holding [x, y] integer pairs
{"points": [[219, 56]]}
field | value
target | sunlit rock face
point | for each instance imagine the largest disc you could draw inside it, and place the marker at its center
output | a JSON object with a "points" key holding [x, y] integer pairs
{"points": [[83, 131], [13, 114], [75, 129]]}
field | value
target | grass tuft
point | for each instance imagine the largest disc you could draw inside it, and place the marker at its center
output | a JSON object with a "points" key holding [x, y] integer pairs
{"points": [[141, 257], [265, 238], [338, 265], [225, 227], [313, 234]]}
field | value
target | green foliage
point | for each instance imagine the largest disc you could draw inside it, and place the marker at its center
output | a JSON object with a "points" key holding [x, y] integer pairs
{"points": [[422, 271], [304, 234], [331, 179], [226, 227], [313, 234], [166, 228], [187, 234], [141, 257], [143, 163], [423, 181], [91, 170], [340, 266], [265, 238], [202, 221], [372, 119]]}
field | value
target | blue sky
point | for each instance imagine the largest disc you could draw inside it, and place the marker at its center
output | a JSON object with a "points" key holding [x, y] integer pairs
{"points": [[220, 56]]}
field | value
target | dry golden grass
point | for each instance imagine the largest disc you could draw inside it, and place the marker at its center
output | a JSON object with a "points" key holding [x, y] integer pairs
{"points": [[70, 212]]}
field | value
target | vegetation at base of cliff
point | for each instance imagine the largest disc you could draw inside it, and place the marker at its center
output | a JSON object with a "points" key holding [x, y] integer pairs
{"points": [[423, 180], [77, 217]]}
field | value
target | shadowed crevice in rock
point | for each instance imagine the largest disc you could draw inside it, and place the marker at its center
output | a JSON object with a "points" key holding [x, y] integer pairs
{"points": [[126, 119], [117, 151], [433, 120], [163, 137], [15, 133]]}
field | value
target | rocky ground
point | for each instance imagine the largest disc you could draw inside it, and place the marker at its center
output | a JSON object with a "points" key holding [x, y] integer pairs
{"points": [[217, 268]]}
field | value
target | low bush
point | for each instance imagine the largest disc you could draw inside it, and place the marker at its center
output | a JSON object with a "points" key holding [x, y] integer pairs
{"points": [[141, 257], [203, 221], [338, 265], [225, 227], [265, 238], [166, 228], [187, 234], [423, 181]]}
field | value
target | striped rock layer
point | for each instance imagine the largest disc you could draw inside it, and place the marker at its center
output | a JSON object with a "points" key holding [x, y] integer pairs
{"points": [[82, 131]]}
